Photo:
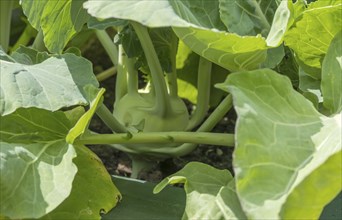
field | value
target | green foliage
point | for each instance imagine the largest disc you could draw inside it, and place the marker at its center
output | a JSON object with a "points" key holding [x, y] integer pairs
{"points": [[47, 166], [86, 201], [67, 17], [203, 202], [51, 84], [259, 162], [138, 196], [279, 119], [309, 44], [332, 76], [279, 60]]}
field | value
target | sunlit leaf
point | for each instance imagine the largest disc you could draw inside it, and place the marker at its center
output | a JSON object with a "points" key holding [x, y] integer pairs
{"points": [[52, 84], [210, 193], [282, 144], [67, 17], [33, 125], [84, 121], [309, 44], [35, 178], [93, 192]]}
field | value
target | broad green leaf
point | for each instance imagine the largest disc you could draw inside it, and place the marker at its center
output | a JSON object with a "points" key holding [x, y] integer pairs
{"points": [[83, 122], [35, 178], [199, 25], [274, 57], [309, 44], [154, 14], [281, 142], [130, 42], [248, 17], [199, 13], [33, 125], [59, 20], [138, 196], [298, 208], [93, 192], [230, 51], [55, 83], [210, 192], [29, 56], [332, 76], [102, 24], [165, 43]]}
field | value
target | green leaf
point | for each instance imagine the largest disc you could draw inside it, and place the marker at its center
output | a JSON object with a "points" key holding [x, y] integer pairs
{"points": [[55, 83], [33, 125], [93, 192], [248, 17], [307, 85], [274, 57], [299, 208], [199, 25], [332, 76], [309, 44], [210, 192], [165, 43], [35, 178], [67, 17], [138, 196], [29, 56], [157, 14], [199, 13], [102, 24], [83, 122], [230, 51], [74, 114], [282, 142]]}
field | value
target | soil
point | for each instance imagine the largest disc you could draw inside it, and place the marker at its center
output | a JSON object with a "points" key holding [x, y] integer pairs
{"points": [[119, 163]]}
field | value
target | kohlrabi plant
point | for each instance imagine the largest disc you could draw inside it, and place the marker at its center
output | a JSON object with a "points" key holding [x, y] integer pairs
{"points": [[277, 63]]}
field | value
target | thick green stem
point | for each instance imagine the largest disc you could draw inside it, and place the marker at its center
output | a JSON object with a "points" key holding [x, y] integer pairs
{"points": [[203, 97], [172, 76], [106, 74], [132, 76], [208, 125], [162, 98], [6, 7], [108, 118], [121, 78], [38, 43], [139, 164], [108, 45], [25, 37], [116, 55], [159, 138]]}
